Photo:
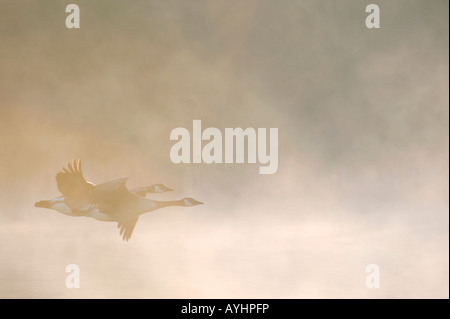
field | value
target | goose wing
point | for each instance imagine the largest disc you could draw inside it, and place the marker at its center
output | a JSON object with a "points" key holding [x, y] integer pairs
{"points": [[73, 185], [126, 227], [107, 188], [113, 198], [111, 193]]}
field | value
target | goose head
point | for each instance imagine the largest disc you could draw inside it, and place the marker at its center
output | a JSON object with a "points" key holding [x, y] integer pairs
{"points": [[159, 188], [188, 201]]}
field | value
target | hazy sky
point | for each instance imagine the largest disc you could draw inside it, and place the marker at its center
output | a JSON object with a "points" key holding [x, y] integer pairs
{"points": [[363, 147]]}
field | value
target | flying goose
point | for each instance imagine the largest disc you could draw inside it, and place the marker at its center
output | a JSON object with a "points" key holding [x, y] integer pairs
{"points": [[110, 201]]}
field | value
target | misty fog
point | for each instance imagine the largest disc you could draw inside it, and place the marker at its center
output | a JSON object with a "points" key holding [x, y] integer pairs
{"points": [[363, 147]]}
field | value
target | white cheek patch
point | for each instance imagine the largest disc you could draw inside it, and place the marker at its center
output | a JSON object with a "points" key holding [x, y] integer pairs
{"points": [[187, 203]]}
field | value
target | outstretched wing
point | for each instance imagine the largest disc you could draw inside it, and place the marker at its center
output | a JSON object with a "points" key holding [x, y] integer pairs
{"points": [[111, 187], [73, 185], [113, 198], [126, 227]]}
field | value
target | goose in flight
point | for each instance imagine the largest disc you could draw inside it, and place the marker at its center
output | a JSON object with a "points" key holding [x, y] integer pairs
{"points": [[110, 201]]}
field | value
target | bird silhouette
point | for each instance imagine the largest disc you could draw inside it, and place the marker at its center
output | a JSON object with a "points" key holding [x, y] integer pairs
{"points": [[110, 201]]}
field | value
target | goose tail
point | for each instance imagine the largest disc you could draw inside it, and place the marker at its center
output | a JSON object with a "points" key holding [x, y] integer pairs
{"points": [[43, 203]]}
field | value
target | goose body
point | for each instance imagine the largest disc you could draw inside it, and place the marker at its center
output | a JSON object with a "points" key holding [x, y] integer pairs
{"points": [[111, 201]]}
